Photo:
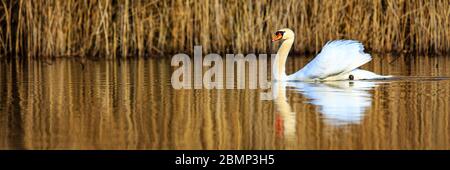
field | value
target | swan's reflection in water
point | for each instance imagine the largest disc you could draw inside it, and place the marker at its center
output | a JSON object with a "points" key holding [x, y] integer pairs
{"points": [[285, 118], [339, 102]]}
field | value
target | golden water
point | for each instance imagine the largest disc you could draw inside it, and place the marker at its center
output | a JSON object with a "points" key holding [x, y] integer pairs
{"points": [[63, 104]]}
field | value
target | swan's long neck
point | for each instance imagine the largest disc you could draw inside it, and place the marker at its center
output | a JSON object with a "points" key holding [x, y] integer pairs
{"points": [[278, 68]]}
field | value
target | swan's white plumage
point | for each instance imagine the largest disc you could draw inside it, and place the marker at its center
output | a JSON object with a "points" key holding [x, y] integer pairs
{"points": [[336, 58]]}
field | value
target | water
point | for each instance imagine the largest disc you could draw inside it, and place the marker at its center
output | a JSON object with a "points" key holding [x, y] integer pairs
{"points": [[68, 104]]}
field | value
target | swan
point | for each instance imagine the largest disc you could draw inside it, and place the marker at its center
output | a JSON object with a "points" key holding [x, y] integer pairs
{"points": [[338, 60]]}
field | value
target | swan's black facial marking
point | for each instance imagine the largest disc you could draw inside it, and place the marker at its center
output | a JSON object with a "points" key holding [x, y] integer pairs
{"points": [[351, 77], [279, 33], [277, 36]]}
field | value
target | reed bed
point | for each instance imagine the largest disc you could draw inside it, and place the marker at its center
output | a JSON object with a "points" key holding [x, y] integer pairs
{"points": [[123, 28]]}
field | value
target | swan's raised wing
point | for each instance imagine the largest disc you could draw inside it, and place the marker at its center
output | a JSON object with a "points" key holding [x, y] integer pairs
{"points": [[336, 57]]}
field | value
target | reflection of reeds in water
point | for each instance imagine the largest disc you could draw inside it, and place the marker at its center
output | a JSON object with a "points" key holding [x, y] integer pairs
{"points": [[132, 106], [128, 28]]}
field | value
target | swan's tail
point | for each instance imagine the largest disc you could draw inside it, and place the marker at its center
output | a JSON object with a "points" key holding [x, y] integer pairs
{"points": [[383, 77], [359, 74]]}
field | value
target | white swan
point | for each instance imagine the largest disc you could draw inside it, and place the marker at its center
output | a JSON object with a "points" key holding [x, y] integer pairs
{"points": [[338, 60]]}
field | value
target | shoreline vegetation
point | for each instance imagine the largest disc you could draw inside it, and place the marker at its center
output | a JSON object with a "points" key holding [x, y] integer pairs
{"points": [[124, 28]]}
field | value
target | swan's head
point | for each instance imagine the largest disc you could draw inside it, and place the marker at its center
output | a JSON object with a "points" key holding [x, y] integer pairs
{"points": [[283, 34]]}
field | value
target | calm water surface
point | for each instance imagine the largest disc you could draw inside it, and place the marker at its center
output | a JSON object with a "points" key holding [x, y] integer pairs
{"points": [[63, 104]]}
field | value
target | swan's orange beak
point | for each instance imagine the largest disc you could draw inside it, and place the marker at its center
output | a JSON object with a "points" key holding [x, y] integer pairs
{"points": [[276, 37]]}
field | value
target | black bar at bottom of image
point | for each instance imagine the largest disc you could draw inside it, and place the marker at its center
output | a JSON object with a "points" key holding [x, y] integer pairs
{"points": [[225, 158]]}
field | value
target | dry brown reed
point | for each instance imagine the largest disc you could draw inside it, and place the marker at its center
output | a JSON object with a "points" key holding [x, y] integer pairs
{"points": [[123, 28]]}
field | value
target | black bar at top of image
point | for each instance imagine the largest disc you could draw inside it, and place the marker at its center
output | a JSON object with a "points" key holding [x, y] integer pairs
{"points": [[281, 159]]}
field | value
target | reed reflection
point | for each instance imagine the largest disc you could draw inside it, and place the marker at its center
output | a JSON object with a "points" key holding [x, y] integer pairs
{"points": [[132, 105]]}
